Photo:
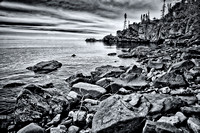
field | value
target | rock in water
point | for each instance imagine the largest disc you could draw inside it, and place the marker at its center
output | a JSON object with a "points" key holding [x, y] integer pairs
{"points": [[88, 89], [45, 67], [117, 115], [31, 128]]}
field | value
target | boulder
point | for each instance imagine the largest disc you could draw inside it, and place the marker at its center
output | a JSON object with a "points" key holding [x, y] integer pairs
{"points": [[31, 128], [106, 71], [88, 89], [79, 77], [45, 67], [190, 100], [194, 124], [156, 127], [117, 115], [79, 117], [183, 65], [34, 102], [157, 65], [104, 82], [181, 116], [170, 79]]}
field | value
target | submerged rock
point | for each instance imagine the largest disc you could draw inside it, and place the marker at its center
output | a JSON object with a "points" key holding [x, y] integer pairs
{"points": [[45, 67]]}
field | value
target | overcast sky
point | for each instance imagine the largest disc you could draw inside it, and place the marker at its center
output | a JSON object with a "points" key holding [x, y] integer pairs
{"points": [[71, 18]]}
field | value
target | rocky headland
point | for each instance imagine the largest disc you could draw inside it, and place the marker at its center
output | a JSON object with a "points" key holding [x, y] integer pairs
{"points": [[159, 94]]}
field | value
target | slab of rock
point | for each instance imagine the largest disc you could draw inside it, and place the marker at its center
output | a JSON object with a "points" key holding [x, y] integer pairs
{"points": [[31, 128], [156, 127], [117, 115], [88, 89], [170, 79], [106, 71], [45, 67], [194, 124], [173, 120], [190, 110]]}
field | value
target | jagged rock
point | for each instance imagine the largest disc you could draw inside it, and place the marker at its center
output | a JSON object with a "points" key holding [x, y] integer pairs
{"points": [[190, 110], [78, 78], [156, 127], [194, 124], [134, 81], [73, 129], [104, 82], [170, 79], [106, 71], [14, 84], [163, 103], [88, 89], [33, 102], [31, 128], [181, 116], [183, 65], [140, 51], [55, 120], [116, 114], [173, 120], [45, 67]]}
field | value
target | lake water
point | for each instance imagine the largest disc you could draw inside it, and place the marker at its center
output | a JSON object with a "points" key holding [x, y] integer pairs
{"points": [[17, 55]]}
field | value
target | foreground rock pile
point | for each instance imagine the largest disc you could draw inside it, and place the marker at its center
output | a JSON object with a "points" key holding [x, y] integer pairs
{"points": [[162, 94]]}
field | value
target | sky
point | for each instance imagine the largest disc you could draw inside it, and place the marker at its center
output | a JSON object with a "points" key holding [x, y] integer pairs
{"points": [[70, 19]]}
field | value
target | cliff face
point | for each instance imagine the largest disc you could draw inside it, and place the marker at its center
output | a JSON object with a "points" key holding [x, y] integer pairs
{"points": [[180, 26]]}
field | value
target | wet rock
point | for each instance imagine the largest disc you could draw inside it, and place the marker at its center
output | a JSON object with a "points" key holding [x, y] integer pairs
{"points": [[45, 67], [14, 84], [112, 54], [90, 89], [173, 120], [104, 82], [31, 128], [125, 55], [194, 124], [117, 115], [190, 110], [55, 120], [106, 71], [170, 79], [156, 127], [73, 129]]}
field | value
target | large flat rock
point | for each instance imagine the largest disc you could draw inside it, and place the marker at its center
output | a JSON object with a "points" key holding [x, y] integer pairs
{"points": [[88, 89], [45, 66], [121, 114]]}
